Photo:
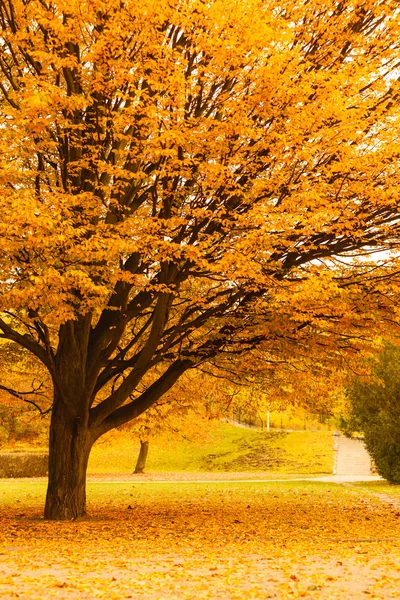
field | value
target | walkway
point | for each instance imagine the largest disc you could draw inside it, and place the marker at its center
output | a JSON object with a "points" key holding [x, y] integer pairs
{"points": [[184, 477], [223, 478]]}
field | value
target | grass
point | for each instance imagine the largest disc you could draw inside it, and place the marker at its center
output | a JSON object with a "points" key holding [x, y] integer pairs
{"points": [[28, 493], [381, 487], [226, 449]]}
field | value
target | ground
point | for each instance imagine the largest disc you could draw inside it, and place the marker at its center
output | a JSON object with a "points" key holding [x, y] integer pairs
{"points": [[229, 540]]}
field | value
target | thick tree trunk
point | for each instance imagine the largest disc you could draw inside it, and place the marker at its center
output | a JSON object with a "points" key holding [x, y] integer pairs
{"points": [[141, 461], [70, 445]]}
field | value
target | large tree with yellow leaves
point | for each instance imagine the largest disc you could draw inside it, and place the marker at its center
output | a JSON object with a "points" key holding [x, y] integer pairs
{"points": [[165, 167]]}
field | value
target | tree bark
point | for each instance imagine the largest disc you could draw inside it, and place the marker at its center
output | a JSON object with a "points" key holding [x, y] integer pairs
{"points": [[70, 445], [141, 461]]}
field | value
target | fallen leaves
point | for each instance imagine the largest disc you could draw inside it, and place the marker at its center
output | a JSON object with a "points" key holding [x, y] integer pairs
{"points": [[230, 540]]}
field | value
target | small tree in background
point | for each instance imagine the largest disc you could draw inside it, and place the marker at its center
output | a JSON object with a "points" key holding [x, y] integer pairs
{"points": [[375, 410], [181, 413]]}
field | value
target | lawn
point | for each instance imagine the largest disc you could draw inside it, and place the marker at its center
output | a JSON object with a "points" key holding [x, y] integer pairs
{"points": [[226, 448], [206, 540]]}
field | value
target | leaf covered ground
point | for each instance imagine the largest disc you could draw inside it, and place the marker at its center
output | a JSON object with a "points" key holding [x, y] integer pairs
{"points": [[203, 540]]}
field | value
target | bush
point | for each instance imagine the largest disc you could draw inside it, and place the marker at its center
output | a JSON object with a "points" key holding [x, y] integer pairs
{"points": [[23, 464], [375, 410]]}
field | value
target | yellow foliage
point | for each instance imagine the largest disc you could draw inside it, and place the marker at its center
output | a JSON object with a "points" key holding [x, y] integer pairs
{"points": [[206, 540], [182, 182]]}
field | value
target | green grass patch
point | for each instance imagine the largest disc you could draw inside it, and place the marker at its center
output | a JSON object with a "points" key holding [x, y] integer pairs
{"points": [[31, 494], [22, 493], [383, 487], [226, 449]]}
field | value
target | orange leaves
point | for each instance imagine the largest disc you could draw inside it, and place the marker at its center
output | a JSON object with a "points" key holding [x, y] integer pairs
{"points": [[246, 115], [190, 181], [205, 541]]}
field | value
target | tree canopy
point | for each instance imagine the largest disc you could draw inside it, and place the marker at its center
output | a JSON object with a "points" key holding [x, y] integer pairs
{"points": [[169, 169]]}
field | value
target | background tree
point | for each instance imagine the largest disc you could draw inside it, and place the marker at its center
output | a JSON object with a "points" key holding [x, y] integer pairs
{"points": [[165, 168], [182, 412], [375, 411], [25, 395]]}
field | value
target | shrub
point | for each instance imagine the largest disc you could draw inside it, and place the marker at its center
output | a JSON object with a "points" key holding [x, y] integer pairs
{"points": [[375, 410], [23, 464]]}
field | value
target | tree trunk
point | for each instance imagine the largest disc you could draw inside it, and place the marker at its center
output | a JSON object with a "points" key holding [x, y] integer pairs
{"points": [[70, 445], [141, 461]]}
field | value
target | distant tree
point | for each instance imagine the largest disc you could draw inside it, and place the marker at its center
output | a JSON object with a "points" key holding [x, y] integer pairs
{"points": [[375, 411], [142, 458], [181, 413], [169, 170], [25, 396]]}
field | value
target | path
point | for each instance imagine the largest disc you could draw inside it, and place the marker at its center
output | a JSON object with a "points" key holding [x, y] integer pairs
{"points": [[217, 479], [185, 477]]}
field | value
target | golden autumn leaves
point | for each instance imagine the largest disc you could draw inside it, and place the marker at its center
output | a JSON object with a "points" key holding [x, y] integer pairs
{"points": [[176, 181], [260, 130], [229, 540]]}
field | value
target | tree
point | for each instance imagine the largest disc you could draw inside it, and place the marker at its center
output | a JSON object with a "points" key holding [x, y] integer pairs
{"points": [[166, 168], [25, 392], [181, 413], [141, 461], [375, 411]]}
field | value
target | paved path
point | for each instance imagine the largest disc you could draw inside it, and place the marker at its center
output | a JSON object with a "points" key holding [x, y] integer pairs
{"points": [[203, 478], [326, 479]]}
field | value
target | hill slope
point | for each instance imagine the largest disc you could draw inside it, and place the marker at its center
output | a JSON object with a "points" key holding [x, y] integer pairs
{"points": [[226, 448]]}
